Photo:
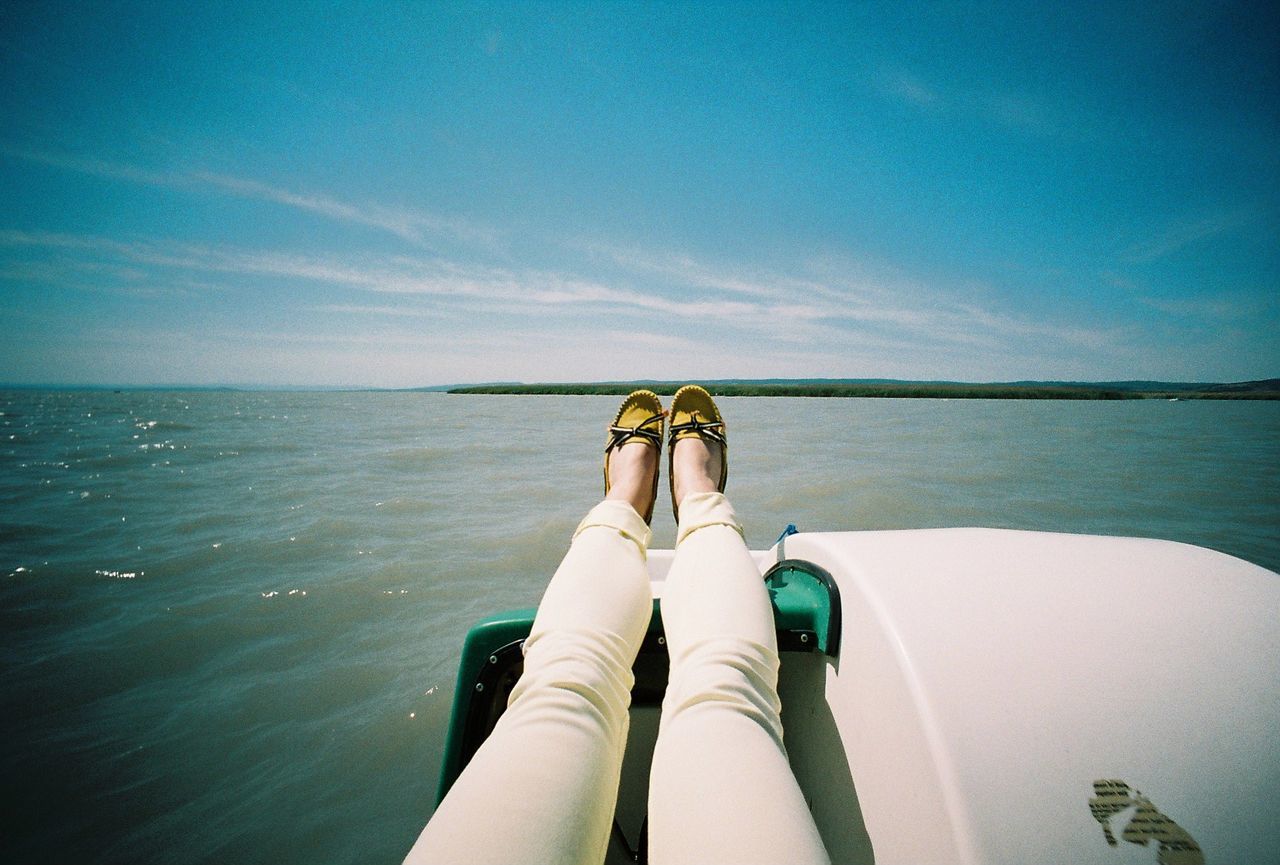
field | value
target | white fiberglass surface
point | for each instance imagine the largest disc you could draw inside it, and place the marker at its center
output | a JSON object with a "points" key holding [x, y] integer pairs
{"points": [[989, 679]]}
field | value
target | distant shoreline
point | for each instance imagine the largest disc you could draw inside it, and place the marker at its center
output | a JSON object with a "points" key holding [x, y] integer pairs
{"points": [[1261, 390], [1267, 389]]}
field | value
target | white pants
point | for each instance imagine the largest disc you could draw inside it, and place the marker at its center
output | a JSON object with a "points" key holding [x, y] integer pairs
{"points": [[542, 787]]}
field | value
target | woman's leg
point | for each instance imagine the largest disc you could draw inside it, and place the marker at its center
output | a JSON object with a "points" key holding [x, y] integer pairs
{"points": [[542, 787], [721, 789]]}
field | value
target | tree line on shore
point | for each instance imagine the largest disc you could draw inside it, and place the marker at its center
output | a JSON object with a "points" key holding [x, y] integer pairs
{"points": [[929, 390]]}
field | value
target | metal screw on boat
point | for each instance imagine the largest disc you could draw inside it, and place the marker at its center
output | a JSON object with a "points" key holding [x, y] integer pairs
{"points": [[662, 641], [804, 638], [479, 686], [493, 659]]}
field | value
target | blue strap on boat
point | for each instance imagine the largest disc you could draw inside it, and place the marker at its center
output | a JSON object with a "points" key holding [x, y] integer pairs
{"points": [[786, 533]]}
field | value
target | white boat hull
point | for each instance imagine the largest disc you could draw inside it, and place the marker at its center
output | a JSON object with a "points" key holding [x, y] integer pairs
{"points": [[987, 680]]}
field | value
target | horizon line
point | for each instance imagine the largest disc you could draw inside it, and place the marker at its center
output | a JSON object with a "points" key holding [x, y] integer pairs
{"points": [[190, 386]]}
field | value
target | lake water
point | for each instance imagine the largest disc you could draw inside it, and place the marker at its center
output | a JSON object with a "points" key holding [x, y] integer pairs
{"points": [[231, 620]]}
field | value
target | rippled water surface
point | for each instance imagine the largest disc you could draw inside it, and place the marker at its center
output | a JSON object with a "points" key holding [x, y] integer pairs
{"points": [[231, 620]]}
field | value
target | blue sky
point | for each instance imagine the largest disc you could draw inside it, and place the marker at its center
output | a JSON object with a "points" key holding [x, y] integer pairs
{"points": [[400, 194]]}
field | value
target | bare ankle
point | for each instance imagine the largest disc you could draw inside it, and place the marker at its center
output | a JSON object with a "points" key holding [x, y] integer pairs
{"points": [[695, 467], [631, 474]]}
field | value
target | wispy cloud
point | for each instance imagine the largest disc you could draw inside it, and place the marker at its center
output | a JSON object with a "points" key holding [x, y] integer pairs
{"points": [[1222, 307], [794, 305], [686, 271], [64, 273], [845, 309], [359, 309], [813, 306], [98, 167], [413, 225], [910, 89], [522, 289], [424, 277], [1186, 232], [1013, 111]]}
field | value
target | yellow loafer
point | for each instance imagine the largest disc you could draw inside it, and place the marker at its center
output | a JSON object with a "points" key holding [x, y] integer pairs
{"points": [[640, 416], [694, 415]]}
